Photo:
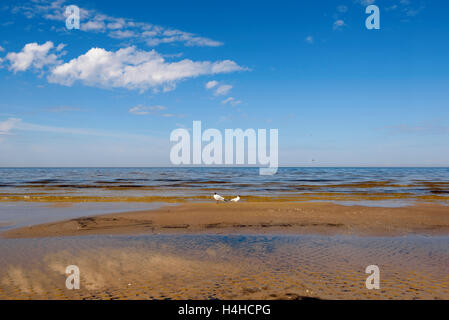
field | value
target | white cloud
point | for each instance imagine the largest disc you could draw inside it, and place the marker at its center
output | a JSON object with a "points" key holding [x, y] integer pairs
{"points": [[338, 24], [144, 110], [141, 110], [231, 101], [7, 125], [309, 39], [220, 90], [1, 49], [169, 36], [32, 55], [93, 25], [95, 21], [225, 101], [120, 34], [60, 46], [211, 84], [134, 69], [116, 24], [366, 2], [223, 89]]}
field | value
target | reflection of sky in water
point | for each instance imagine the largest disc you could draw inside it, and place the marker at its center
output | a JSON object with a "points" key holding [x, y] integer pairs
{"points": [[226, 266], [412, 246], [19, 214]]}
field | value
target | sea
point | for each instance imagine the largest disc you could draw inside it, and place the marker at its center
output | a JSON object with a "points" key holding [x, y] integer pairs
{"points": [[198, 182]]}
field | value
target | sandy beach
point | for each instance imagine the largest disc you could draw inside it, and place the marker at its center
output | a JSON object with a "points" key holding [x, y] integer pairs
{"points": [[233, 251], [254, 218]]}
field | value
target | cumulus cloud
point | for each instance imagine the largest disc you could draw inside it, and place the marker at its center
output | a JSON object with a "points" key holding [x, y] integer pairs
{"points": [[1, 49], [131, 68], [128, 67], [95, 21], [32, 55]]}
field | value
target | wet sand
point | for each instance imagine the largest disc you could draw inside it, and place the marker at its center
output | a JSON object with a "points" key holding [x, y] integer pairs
{"points": [[225, 267], [262, 250], [254, 218]]}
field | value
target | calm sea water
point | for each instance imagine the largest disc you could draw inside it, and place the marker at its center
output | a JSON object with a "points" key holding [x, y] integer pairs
{"points": [[192, 182]]}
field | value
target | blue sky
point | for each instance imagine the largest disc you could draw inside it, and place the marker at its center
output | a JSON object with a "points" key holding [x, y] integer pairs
{"points": [[110, 93]]}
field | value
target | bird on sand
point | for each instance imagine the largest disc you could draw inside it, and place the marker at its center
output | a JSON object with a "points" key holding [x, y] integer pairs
{"points": [[218, 197], [236, 199]]}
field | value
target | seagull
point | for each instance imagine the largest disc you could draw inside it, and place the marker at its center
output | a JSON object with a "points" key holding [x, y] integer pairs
{"points": [[218, 197], [236, 199]]}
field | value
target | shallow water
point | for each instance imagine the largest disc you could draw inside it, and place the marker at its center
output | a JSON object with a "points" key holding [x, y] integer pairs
{"points": [[20, 214], [225, 267], [140, 184], [216, 266]]}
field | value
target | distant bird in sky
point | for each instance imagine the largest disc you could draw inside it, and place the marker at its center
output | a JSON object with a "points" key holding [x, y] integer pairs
{"points": [[218, 197], [236, 199]]}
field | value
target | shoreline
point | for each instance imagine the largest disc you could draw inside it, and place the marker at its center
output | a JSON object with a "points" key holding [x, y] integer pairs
{"points": [[321, 218]]}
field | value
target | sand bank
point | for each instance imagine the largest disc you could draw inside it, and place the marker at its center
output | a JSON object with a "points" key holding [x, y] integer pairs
{"points": [[254, 218]]}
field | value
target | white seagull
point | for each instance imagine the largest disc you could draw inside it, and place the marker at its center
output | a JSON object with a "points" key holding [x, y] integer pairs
{"points": [[218, 197], [236, 199]]}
